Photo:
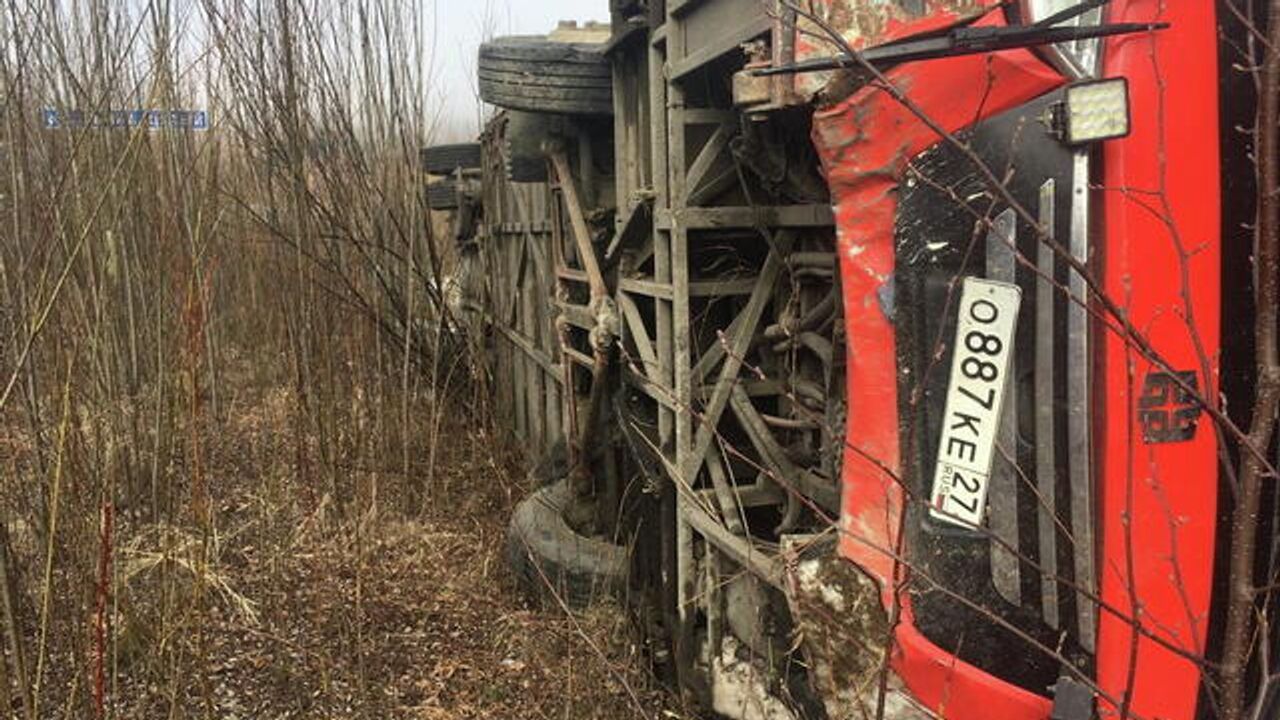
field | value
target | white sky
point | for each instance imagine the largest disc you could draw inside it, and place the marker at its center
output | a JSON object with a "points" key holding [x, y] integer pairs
{"points": [[462, 24]]}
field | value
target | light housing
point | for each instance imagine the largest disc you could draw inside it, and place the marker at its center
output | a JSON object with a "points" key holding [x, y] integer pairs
{"points": [[1094, 111], [1078, 58]]}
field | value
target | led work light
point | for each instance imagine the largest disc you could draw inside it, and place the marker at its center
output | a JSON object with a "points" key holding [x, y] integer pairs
{"points": [[1094, 111]]}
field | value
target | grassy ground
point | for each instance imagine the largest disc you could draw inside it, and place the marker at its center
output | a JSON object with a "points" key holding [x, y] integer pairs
{"points": [[309, 611]]}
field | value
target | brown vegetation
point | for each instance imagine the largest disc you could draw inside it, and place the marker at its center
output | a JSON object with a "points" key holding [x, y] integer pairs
{"points": [[240, 476]]}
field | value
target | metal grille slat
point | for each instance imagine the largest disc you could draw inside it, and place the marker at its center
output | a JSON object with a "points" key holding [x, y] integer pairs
{"points": [[1079, 446], [1034, 563], [1045, 454], [1002, 513]]}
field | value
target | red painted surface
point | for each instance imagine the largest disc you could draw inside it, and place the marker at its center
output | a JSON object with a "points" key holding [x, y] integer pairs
{"points": [[1171, 156], [864, 143]]}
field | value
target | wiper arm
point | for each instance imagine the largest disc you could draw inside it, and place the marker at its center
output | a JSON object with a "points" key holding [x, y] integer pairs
{"points": [[971, 41]]}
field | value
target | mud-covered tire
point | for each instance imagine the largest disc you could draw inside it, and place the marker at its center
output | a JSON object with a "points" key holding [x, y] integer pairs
{"points": [[542, 549], [442, 195], [443, 160], [535, 74], [552, 467]]}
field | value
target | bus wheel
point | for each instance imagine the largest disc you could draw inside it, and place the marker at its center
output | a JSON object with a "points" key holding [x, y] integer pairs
{"points": [[539, 75], [553, 562], [444, 160], [442, 195]]}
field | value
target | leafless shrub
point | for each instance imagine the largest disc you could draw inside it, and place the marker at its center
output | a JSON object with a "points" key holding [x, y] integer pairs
{"points": [[152, 278]]}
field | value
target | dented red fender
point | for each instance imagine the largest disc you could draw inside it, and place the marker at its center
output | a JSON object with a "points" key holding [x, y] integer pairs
{"points": [[864, 143]]}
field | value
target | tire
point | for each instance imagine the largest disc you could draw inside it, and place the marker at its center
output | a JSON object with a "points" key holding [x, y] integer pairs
{"points": [[442, 195], [538, 75], [443, 160], [553, 466], [542, 549]]}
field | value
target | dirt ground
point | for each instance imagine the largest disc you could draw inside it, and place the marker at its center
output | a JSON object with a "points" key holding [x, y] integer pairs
{"points": [[309, 613]]}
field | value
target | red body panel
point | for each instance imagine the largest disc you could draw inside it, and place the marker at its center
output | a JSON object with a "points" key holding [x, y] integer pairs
{"points": [[1161, 191], [864, 143]]}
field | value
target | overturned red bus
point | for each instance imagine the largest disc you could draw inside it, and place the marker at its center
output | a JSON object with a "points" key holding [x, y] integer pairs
{"points": [[874, 350]]}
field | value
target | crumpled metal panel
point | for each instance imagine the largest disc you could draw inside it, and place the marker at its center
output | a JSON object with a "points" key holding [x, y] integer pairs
{"points": [[867, 23]]}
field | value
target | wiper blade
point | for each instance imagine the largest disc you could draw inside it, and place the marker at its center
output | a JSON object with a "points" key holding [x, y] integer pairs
{"points": [[967, 41]]}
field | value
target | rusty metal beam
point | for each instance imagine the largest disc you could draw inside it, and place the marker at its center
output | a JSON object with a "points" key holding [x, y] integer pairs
{"points": [[708, 155], [704, 218], [791, 476], [713, 44], [748, 321], [578, 222], [634, 326], [697, 288]]}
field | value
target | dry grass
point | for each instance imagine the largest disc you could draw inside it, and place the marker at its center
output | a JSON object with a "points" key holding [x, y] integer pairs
{"points": [[220, 479], [375, 615]]}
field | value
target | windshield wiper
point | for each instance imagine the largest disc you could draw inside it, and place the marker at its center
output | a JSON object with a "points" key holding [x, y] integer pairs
{"points": [[972, 41]]}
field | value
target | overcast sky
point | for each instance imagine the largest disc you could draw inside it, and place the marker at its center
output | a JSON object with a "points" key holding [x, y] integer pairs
{"points": [[460, 26]]}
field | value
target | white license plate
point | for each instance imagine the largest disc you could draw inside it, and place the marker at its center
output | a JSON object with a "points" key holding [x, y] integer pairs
{"points": [[987, 317]]}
